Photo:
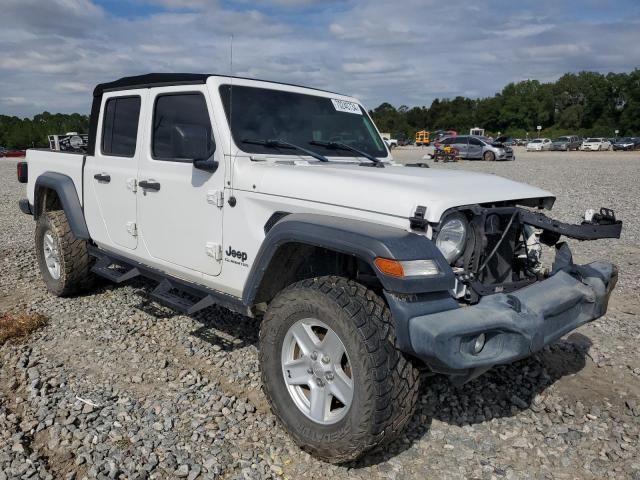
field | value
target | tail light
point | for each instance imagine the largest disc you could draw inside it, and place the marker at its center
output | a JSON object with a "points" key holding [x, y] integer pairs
{"points": [[23, 172]]}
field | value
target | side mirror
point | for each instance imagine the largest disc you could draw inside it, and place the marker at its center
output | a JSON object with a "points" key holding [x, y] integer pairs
{"points": [[206, 164]]}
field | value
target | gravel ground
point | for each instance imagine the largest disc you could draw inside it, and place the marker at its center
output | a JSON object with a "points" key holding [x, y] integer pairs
{"points": [[118, 387]]}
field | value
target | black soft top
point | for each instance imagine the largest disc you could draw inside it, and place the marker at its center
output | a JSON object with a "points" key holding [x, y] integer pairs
{"points": [[149, 80]]}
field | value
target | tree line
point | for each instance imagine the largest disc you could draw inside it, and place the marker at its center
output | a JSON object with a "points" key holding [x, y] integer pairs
{"points": [[585, 104], [32, 132]]}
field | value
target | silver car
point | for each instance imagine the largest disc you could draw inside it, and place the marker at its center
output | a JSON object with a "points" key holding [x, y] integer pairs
{"points": [[481, 148]]}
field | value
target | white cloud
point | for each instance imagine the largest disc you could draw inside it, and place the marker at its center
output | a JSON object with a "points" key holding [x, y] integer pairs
{"points": [[405, 52], [15, 101], [72, 87]]}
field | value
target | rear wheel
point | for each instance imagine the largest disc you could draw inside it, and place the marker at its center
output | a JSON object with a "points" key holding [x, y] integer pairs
{"points": [[63, 259], [489, 156], [331, 368]]}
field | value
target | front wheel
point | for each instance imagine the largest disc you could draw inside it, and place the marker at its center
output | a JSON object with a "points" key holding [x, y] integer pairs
{"points": [[489, 156], [331, 368]]}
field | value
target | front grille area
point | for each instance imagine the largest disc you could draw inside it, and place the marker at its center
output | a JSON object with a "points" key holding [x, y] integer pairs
{"points": [[498, 268], [495, 258]]}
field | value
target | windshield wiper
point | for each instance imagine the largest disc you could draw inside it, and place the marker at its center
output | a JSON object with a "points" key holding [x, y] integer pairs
{"points": [[275, 143], [344, 146]]}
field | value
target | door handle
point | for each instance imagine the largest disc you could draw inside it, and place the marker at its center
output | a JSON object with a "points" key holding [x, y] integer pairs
{"points": [[149, 185], [102, 177]]}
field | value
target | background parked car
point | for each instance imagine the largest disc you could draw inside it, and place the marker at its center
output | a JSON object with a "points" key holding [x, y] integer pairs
{"points": [[472, 147], [391, 142], [12, 153], [596, 143], [566, 144], [508, 141], [539, 144], [628, 143], [439, 135]]}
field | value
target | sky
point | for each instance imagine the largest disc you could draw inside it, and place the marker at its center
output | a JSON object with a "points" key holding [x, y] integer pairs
{"points": [[405, 52]]}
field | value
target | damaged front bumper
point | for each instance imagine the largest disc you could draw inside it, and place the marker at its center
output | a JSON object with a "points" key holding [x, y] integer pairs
{"points": [[512, 325]]}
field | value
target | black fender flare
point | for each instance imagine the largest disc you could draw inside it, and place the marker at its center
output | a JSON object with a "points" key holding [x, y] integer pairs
{"points": [[362, 239], [66, 190]]}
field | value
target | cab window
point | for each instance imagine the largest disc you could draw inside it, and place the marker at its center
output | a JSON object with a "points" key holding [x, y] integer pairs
{"points": [[120, 126], [181, 128]]}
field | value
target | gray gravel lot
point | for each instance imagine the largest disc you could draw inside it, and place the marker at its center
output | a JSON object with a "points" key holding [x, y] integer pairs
{"points": [[118, 387]]}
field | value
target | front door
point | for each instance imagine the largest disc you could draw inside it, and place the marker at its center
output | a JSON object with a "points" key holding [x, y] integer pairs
{"points": [[461, 143], [109, 175], [474, 150], [180, 206]]}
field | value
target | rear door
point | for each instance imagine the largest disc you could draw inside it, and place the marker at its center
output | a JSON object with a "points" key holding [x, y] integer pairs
{"points": [[109, 175], [180, 206]]}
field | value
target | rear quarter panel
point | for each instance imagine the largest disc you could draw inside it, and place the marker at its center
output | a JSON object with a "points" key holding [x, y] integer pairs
{"points": [[41, 161]]}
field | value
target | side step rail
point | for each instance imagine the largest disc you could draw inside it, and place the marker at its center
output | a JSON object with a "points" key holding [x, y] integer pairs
{"points": [[181, 295], [163, 294], [102, 268]]}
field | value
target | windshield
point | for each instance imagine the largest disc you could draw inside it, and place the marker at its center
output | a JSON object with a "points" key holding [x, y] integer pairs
{"points": [[264, 114], [561, 139], [536, 141], [593, 140]]}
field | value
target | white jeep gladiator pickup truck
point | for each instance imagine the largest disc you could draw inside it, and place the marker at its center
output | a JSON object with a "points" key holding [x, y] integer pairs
{"points": [[282, 202]]}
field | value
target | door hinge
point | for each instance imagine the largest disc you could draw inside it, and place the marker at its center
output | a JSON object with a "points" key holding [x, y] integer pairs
{"points": [[132, 184], [214, 250], [132, 228], [216, 198]]}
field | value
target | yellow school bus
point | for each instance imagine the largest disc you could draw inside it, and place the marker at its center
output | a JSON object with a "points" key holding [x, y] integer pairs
{"points": [[422, 138]]}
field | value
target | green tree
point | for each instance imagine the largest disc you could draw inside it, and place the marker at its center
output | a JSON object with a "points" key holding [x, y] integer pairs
{"points": [[25, 132], [585, 103]]}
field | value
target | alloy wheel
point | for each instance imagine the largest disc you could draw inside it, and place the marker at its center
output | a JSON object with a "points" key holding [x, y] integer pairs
{"points": [[317, 371]]}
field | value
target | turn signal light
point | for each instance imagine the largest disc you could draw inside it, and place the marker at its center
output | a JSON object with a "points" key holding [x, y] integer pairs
{"points": [[389, 267], [407, 268]]}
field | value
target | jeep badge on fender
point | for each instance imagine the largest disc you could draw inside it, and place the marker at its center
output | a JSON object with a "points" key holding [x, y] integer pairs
{"points": [[242, 256], [354, 294]]}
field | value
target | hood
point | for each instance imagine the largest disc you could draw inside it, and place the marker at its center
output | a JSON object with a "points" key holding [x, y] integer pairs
{"points": [[394, 190]]}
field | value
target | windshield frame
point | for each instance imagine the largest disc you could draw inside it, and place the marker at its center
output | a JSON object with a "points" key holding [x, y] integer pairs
{"points": [[240, 145]]}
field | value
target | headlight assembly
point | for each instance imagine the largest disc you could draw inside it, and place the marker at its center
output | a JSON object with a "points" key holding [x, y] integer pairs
{"points": [[452, 236]]}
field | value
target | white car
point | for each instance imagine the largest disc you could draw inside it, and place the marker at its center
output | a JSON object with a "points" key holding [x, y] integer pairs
{"points": [[596, 144], [391, 142], [539, 144], [360, 269]]}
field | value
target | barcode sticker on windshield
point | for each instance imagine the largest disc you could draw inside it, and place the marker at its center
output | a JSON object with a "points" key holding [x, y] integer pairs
{"points": [[345, 106]]}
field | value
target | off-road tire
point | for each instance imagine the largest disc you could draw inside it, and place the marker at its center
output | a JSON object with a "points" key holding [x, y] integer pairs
{"points": [[489, 156], [75, 262], [385, 382]]}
